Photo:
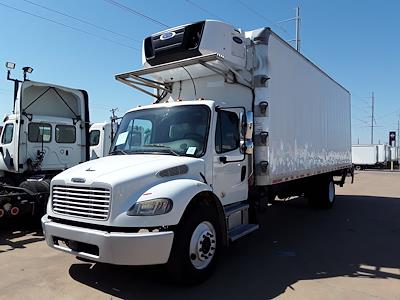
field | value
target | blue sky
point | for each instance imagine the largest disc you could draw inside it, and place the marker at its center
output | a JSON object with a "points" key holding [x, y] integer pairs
{"points": [[356, 42]]}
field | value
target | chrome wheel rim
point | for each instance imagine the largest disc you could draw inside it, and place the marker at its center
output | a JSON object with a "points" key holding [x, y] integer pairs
{"points": [[202, 245]]}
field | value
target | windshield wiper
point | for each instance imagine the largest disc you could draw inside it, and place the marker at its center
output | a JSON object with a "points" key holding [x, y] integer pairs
{"points": [[118, 151], [162, 146]]}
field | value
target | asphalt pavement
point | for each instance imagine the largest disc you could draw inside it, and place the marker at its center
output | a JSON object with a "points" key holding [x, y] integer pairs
{"points": [[349, 252]]}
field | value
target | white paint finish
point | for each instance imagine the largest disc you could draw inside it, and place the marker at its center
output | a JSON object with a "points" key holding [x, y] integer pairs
{"points": [[387, 153], [393, 153], [218, 37], [50, 109], [364, 154], [133, 178], [227, 183], [382, 153], [105, 139], [308, 117], [121, 248]]}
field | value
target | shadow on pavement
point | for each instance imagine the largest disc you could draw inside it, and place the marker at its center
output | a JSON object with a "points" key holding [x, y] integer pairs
{"points": [[19, 232], [358, 238]]}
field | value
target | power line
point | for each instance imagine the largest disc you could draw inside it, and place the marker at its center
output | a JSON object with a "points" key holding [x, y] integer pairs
{"points": [[262, 16], [82, 21], [68, 26], [205, 10], [135, 12]]}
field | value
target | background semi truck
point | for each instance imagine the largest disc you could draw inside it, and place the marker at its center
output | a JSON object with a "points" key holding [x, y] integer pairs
{"points": [[46, 133], [102, 135], [238, 118]]}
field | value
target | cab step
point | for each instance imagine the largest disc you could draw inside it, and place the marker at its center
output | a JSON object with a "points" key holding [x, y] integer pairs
{"points": [[234, 208], [241, 230]]}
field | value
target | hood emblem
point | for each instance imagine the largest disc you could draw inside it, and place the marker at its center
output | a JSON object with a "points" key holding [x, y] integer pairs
{"points": [[168, 35], [78, 179], [90, 170]]}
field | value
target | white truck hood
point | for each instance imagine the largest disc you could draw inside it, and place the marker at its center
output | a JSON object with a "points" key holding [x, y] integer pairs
{"points": [[116, 169], [128, 177]]}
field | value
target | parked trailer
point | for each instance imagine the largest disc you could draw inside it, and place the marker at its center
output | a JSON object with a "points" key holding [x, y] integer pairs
{"points": [[46, 134], [364, 156], [191, 184], [382, 155]]}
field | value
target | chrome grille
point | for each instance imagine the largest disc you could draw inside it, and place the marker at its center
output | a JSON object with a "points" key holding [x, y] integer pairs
{"points": [[87, 202]]}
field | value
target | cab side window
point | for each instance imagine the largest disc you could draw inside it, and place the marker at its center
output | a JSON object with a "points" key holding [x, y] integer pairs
{"points": [[227, 135], [8, 133]]}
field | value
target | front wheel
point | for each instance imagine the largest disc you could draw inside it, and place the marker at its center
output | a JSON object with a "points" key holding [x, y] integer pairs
{"points": [[196, 245]]}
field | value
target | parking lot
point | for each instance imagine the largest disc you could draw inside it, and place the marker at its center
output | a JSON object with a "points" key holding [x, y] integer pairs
{"points": [[350, 252]]}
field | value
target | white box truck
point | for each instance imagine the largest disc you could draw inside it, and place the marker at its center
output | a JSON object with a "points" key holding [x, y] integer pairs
{"points": [[364, 156], [46, 133], [238, 117]]}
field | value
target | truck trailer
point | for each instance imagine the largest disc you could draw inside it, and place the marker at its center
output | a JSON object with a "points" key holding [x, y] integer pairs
{"points": [[237, 119], [46, 133], [364, 156], [382, 155]]}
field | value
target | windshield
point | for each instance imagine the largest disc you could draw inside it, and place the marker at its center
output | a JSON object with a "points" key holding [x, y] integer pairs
{"points": [[179, 130]]}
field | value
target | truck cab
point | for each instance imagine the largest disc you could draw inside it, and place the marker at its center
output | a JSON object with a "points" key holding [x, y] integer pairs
{"points": [[101, 136], [47, 132]]}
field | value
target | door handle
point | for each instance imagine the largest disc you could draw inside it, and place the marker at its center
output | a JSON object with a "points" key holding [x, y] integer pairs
{"points": [[243, 173], [223, 159]]}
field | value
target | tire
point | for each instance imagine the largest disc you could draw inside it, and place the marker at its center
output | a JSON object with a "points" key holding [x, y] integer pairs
{"points": [[358, 168], [36, 187], [322, 193], [197, 243]]}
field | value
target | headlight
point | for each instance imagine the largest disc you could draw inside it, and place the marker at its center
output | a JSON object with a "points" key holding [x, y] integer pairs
{"points": [[152, 207]]}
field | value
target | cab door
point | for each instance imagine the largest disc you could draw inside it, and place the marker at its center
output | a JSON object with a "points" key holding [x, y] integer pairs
{"points": [[230, 163], [9, 147]]}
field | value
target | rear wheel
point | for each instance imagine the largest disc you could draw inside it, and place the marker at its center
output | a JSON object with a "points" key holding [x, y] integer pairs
{"points": [[322, 193], [42, 189], [196, 245]]}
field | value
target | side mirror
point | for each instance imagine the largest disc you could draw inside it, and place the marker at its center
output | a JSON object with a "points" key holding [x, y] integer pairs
{"points": [[249, 125], [247, 147]]}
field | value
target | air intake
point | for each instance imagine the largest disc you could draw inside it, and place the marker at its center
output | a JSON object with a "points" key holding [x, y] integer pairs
{"points": [[174, 171]]}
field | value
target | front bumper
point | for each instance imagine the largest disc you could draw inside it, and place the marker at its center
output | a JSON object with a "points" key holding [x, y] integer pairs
{"points": [[120, 248]]}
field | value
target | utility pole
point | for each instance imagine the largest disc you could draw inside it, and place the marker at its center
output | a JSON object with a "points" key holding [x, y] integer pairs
{"points": [[398, 131], [297, 18], [372, 118], [397, 141]]}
